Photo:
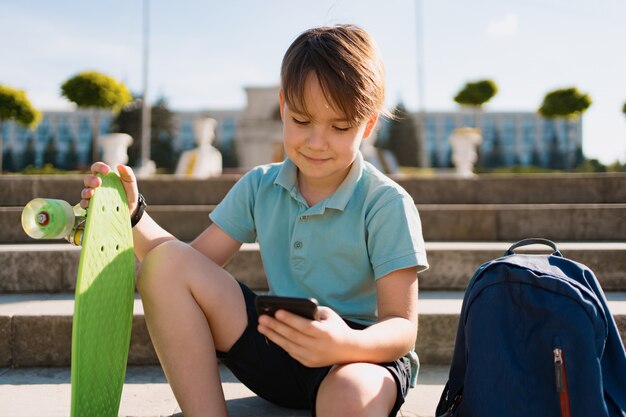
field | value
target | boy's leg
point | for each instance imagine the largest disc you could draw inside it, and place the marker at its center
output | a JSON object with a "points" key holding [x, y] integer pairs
{"points": [[192, 307], [266, 369], [358, 389]]}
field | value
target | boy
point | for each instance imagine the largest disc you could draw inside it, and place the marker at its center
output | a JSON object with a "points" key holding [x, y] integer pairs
{"points": [[328, 225]]}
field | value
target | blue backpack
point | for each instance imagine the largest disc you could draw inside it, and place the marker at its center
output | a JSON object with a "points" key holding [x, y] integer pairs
{"points": [[535, 338]]}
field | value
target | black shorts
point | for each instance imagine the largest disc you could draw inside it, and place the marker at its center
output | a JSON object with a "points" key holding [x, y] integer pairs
{"points": [[272, 374]]}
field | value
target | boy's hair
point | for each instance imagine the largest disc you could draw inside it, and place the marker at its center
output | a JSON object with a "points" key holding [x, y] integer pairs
{"points": [[347, 65]]}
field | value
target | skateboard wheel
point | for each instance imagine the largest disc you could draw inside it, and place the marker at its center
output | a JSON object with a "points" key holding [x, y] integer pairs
{"points": [[47, 218]]}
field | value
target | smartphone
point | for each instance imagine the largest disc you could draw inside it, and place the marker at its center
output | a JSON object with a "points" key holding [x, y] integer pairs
{"points": [[305, 307]]}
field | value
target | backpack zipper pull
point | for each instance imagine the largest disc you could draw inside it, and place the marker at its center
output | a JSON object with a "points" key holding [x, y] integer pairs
{"points": [[558, 369], [561, 381]]}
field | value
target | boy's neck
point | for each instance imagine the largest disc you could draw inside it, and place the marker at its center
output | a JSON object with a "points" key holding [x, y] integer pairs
{"points": [[314, 190]]}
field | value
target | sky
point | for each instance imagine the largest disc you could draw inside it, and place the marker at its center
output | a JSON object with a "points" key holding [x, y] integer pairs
{"points": [[203, 53]]}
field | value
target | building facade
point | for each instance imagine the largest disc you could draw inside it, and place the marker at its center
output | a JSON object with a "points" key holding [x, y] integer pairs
{"points": [[509, 138]]}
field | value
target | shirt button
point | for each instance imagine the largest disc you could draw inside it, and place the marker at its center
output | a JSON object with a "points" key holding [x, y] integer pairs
{"points": [[297, 244]]}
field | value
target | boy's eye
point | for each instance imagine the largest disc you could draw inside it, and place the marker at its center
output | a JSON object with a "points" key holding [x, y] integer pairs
{"points": [[341, 128], [300, 122]]}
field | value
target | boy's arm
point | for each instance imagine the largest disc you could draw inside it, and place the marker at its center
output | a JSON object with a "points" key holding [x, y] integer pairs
{"points": [[216, 244], [396, 330], [330, 341], [147, 234], [213, 243]]}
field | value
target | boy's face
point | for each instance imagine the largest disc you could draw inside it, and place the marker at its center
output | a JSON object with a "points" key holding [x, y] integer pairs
{"points": [[324, 144]]}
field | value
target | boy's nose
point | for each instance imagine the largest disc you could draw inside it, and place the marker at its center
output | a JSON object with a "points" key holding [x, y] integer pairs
{"points": [[317, 139]]}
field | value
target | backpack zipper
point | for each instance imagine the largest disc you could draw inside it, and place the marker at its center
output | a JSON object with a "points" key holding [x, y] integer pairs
{"points": [[561, 381]]}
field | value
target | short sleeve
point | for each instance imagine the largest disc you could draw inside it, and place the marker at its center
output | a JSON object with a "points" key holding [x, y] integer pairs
{"points": [[395, 238], [235, 213]]}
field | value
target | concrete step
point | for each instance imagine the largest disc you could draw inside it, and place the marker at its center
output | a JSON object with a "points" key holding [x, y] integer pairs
{"points": [[17, 190], [36, 329], [445, 222], [53, 267], [45, 392]]}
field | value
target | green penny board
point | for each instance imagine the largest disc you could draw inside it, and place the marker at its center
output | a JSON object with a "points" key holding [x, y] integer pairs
{"points": [[103, 309]]}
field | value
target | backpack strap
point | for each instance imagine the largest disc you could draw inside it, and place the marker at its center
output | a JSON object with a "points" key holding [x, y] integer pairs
{"points": [[533, 241]]}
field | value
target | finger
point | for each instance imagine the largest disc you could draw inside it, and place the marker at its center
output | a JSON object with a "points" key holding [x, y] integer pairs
{"points": [[87, 193], [289, 326], [325, 313], [293, 320], [92, 181], [308, 327], [100, 168], [279, 339], [126, 173], [303, 354]]}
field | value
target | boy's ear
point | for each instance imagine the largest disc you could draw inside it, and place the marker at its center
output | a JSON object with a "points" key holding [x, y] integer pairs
{"points": [[369, 126], [281, 100]]}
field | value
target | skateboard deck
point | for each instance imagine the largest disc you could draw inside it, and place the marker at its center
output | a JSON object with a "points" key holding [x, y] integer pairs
{"points": [[105, 290], [103, 308]]}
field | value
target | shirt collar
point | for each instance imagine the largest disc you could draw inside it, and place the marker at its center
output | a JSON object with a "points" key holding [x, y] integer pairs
{"points": [[288, 179], [339, 199]]}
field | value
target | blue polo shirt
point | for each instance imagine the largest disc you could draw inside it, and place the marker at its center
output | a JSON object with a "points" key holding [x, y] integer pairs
{"points": [[335, 250]]}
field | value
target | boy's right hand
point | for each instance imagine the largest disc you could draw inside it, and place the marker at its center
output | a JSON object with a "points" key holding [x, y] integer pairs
{"points": [[129, 181]]}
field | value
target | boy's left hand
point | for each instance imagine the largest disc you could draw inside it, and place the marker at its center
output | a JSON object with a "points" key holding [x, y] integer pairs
{"points": [[312, 343]]}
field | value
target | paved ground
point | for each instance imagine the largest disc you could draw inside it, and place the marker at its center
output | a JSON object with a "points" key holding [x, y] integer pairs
{"points": [[45, 392]]}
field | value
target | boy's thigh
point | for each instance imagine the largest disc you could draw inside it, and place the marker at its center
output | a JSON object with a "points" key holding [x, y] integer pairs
{"points": [[267, 369]]}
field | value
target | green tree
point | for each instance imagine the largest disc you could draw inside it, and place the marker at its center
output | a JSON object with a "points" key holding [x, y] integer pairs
{"points": [[7, 160], [161, 132], [591, 165], [162, 135], [94, 90], [579, 157], [129, 121], [402, 137], [475, 94], [51, 152], [14, 105], [30, 154], [565, 103], [434, 158], [555, 155], [229, 153], [617, 167], [624, 111], [535, 158], [496, 156], [449, 162], [70, 160]]}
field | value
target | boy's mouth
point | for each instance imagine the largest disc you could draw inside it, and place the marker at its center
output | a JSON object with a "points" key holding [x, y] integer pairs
{"points": [[315, 160]]}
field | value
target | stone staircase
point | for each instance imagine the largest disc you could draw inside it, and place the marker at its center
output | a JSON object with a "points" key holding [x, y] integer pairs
{"points": [[466, 222]]}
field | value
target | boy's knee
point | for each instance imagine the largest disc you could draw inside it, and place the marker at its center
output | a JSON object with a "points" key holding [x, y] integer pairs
{"points": [[160, 263], [355, 388]]}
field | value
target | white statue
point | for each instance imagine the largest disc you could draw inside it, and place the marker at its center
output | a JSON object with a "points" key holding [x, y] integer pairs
{"points": [[115, 147], [464, 142], [205, 160]]}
